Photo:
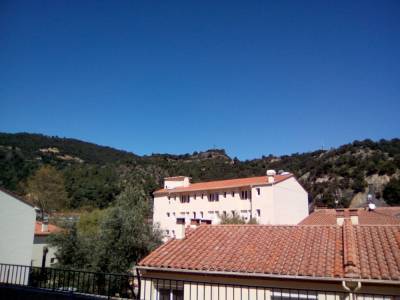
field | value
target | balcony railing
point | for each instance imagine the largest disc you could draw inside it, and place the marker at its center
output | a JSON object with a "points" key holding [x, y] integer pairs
{"points": [[125, 286]]}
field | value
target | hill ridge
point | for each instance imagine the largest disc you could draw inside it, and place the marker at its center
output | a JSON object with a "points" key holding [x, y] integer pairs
{"points": [[345, 174]]}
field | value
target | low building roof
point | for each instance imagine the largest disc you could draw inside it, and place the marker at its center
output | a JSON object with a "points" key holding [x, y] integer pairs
{"points": [[224, 184], [328, 252], [381, 215], [50, 229]]}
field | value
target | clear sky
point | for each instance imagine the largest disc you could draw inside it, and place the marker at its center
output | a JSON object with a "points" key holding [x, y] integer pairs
{"points": [[253, 77]]}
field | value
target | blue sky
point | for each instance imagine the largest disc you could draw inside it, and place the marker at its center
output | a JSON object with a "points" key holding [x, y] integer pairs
{"points": [[253, 77]]}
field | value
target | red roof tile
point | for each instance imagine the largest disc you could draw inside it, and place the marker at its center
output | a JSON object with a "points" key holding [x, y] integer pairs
{"points": [[335, 252], [50, 229], [380, 216], [224, 184]]}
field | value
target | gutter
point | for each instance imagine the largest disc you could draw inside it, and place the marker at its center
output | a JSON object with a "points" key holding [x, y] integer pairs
{"points": [[272, 276], [351, 289]]}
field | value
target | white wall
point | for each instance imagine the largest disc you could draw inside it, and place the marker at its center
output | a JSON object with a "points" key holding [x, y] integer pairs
{"points": [[291, 202], [198, 205], [17, 224]]}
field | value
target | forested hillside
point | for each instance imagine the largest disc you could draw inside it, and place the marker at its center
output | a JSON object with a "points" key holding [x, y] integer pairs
{"points": [[92, 175]]}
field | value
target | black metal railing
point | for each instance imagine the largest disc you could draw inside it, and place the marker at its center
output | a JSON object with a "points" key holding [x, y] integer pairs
{"points": [[71, 281], [130, 286]]}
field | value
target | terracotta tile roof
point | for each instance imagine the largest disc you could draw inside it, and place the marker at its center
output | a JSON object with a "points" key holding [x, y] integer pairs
{"points": [[225, 184], [367, 252], [50, 229], [381, 215]]}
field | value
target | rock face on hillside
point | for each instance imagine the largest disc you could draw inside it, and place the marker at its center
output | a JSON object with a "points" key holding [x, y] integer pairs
{"points": [[344, 175], [376, 184]]}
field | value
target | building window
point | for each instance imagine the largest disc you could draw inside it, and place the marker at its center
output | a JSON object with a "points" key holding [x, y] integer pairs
{"points": [[201, 215], [194, 197], [173, 214], [168, 214], [169, 197], [233, 213], [281, 294], [185, 199], [213, 197], [194, 215], [258, 191], [167, 232], [224, 194], [258, 211], [245, 195], [52, 260], [202, 196], [224, 213], [173, 233], [170, 294], [233, 194]]}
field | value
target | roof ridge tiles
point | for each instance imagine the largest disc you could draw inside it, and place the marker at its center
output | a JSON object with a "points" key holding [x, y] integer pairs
{"points": [[350, 252]]}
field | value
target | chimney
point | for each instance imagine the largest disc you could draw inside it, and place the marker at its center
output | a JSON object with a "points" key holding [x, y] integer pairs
{"points": [[45, 224], [180, 228], [194, 223], [339, 216], [271, 176], [354, 216], [343, 215]]}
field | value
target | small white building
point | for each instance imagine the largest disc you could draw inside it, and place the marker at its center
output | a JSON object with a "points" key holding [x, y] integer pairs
{"points": [[17, 223], [270, 199], [42, 251]]}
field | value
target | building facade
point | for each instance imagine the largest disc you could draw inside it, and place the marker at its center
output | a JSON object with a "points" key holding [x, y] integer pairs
{"points": [[271, 199], [17, 223], [42, 251], [347, 261]]}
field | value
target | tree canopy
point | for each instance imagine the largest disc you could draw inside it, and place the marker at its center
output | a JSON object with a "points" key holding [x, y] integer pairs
{"points": [[112, 240], [47, 189]]}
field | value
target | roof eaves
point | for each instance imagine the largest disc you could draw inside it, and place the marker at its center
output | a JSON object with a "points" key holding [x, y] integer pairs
{"points": [[188, 189], [272, 276]]}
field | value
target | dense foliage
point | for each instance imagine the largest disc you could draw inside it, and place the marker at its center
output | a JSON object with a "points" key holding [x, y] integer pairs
{"points": [[236, 219], [391, 192], [110, 240], [95, 175], [46, 189]]}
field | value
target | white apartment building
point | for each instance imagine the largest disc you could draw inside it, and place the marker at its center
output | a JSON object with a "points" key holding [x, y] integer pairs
{"points": [[271, 199]]}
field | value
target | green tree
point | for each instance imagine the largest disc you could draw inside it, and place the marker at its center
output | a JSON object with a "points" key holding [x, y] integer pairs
{"points": [[111, 240], [72, 250], [47, 190], [236, 219], [391, 193], [126, 233]]}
